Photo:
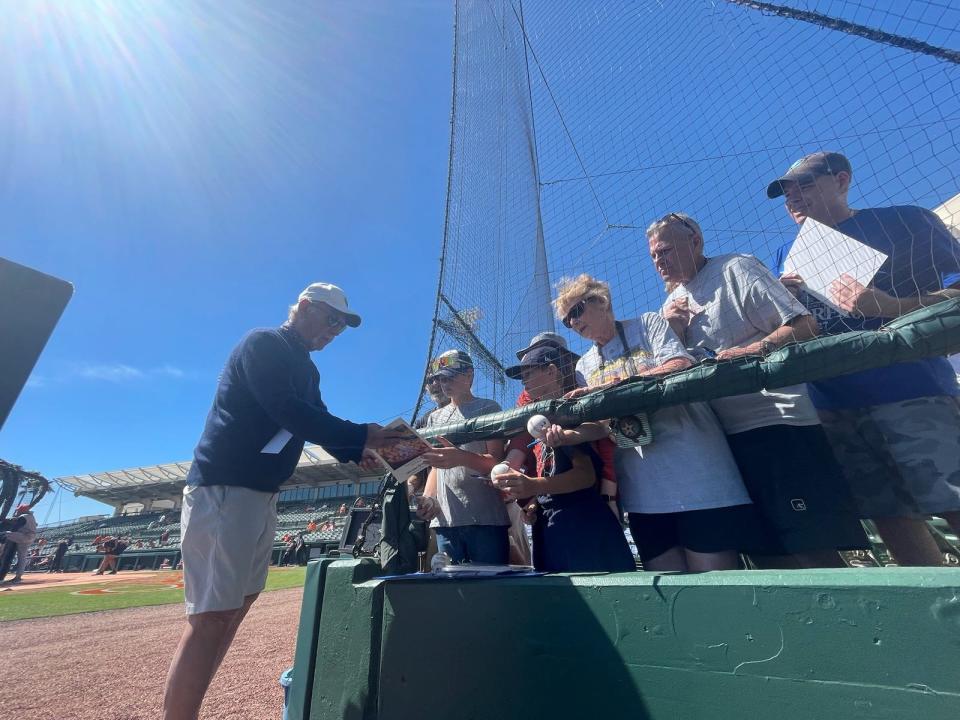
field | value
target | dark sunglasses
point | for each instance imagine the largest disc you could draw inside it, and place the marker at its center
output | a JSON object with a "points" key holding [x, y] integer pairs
{"points": [[675, 218], [334, 319], [576, 311]]}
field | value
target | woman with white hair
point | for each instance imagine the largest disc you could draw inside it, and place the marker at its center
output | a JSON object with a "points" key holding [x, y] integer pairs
{"points": [[686, 503]]}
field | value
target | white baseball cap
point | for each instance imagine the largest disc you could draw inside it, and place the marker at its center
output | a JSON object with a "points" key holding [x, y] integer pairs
{"points": [[320, 292]]}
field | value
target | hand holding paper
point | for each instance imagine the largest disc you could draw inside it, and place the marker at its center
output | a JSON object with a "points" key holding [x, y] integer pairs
{"points": [[445, 457], [398, 447], [854, 297], [792, 282], [821, 255], [378, 437]]}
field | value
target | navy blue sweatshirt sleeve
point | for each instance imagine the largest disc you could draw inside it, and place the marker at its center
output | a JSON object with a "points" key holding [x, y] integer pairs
{"points": [[267, 363]]}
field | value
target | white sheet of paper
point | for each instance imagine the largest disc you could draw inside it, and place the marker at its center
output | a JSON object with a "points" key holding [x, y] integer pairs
{"points": [[821, 254], [278, 442]]}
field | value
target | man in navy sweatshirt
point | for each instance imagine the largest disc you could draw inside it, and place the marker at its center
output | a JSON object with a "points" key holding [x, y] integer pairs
{"points": [[266, 406]]}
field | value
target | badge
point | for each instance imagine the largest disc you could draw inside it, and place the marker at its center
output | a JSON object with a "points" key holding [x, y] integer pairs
{"points": [[632, 431]]}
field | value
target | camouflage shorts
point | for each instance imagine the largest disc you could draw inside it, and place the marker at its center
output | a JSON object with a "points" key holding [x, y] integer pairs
{"points": [[901, 459]]}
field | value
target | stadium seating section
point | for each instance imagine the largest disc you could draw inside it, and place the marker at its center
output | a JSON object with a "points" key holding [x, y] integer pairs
{"points": [[146, 528]]}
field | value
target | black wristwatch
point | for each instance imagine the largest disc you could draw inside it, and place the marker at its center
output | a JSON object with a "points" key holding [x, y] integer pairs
{"points": [[766, 347]]}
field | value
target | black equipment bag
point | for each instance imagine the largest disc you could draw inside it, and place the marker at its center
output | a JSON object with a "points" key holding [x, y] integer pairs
{"points": [[401, 540]]}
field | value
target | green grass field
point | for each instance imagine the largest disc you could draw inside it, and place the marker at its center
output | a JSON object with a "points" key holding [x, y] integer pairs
{"points": [[20, 605]]}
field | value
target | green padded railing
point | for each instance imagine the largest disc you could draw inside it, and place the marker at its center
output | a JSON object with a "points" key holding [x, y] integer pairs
{"points": [[928, 332]]}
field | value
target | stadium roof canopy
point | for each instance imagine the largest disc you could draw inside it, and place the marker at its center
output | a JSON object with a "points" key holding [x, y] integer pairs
{"points": [[165, 482]]}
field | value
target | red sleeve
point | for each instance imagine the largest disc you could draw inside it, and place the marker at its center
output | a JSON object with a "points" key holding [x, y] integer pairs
{"points": [[523, 440], [606, 448]]}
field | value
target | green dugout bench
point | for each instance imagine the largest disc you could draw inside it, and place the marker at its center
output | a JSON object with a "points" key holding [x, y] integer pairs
{"points": [[870, 643]]}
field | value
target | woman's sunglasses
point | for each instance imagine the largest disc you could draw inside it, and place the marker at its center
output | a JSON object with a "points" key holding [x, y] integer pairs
{"points": [[575, 312]]}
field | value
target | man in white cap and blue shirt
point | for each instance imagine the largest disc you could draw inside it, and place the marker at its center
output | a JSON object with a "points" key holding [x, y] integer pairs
{"points": [[266, 406]]}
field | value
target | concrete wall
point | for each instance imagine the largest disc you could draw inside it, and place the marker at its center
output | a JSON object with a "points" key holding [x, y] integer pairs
{"points": [[872, 643]]}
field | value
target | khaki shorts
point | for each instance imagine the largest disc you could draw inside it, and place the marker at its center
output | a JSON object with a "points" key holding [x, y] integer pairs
{"points": [[901, 459], [227, 538]]}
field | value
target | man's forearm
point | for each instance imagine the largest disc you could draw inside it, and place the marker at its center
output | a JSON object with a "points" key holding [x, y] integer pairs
{"points": [[672, 365], [679, 328], [914, 302], [430, 489], [799, 329], [588, 432], [481, 463]]}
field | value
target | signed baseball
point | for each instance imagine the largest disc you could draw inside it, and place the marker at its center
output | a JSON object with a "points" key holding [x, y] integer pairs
{"points": [[538, 426]]}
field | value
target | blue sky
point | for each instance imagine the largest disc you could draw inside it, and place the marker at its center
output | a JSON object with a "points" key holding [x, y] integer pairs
{"points": [[190, 171]]}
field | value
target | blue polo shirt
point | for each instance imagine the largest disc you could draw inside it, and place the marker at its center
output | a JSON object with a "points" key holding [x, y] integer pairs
{"points": [[922, 257], [269, 383]]}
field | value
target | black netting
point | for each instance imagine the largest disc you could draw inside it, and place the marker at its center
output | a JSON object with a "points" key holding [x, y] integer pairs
{"points": [[575, 125]]}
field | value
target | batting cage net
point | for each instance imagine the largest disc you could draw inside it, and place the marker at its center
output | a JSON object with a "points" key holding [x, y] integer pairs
{"points": [[584, 133]]}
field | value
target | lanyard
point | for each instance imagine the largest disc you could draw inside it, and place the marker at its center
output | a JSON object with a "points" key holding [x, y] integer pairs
{"points": [[626, 352], [639, 432]]}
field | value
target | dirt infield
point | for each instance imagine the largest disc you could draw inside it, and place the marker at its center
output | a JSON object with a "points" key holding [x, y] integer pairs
{"points": [[42, 581], [112, 665]]}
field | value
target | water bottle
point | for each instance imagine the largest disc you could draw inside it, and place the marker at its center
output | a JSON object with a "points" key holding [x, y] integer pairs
{"points": [[440, 561]]}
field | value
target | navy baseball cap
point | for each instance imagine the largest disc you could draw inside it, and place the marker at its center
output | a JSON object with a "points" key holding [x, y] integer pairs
{"points": [[545, 338], [809, 168], [540, 357]]}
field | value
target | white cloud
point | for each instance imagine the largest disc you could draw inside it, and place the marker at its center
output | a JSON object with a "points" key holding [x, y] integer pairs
{"points": [[170, 371], [115, 372], [35, 381], [118, 373]]}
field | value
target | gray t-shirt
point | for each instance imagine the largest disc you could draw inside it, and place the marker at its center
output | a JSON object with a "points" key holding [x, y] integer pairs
{"points": [[688, 466], [737, 301], [467, 497]]}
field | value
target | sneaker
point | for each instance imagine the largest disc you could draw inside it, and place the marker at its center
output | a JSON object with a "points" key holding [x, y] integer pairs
{"points": [[112, 572], [15, 581]]}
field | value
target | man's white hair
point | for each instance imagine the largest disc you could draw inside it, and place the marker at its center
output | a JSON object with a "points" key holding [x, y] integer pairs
{"points": [[675, 218]]}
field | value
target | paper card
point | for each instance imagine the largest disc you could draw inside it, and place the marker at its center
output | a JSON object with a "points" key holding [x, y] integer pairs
{"points": [[821, 254], [403, 457], [277, 443]]}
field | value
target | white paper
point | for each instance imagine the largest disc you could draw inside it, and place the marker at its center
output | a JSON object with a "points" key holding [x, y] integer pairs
{"points": [[821, 254], [277, 443]]}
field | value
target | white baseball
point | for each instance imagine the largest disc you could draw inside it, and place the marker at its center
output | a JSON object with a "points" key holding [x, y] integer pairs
{"points": [[499, 469], [538, 426]]}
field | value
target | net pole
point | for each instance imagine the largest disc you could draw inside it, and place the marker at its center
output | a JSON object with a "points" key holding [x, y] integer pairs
{"points": [[446, 218], [833, 23]]}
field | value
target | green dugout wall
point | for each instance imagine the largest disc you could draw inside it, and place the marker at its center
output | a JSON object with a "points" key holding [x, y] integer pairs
{"points": [[870, 643]]}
